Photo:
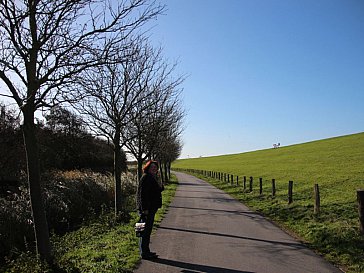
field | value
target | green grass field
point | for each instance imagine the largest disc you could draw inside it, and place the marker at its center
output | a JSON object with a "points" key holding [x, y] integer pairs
{"points": [[336, 165]]}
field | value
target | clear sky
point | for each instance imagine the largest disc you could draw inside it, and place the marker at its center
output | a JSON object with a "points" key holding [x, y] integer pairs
{"points": [[265, 71]]}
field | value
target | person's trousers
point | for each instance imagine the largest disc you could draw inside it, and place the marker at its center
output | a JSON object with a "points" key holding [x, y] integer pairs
{"points": [[144, 240]]}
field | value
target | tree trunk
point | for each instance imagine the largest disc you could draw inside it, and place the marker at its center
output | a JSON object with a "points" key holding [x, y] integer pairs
{"points": [[161, 172], [35, 190], [169, 170], [166, 173], [117, 172], [140, 167]]}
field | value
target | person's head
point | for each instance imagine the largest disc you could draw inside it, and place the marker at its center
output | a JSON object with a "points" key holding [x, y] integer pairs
{"points": [[151, 167]]}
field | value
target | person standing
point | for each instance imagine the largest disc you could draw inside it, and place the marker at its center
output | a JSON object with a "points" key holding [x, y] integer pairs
{"points": [[149, 200]]}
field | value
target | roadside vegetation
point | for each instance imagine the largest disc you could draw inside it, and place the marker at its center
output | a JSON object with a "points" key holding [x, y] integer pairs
{"points": [[78, 189], [102, 244], [81, 86], [335, 164]]}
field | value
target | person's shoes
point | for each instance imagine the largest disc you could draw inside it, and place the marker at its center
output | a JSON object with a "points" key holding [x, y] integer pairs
{"points": [[149, 256]]}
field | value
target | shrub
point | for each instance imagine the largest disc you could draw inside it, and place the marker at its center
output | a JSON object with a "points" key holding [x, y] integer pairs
{"points": [[16, 231], [28, 262], [70, 198], [129, 189]]}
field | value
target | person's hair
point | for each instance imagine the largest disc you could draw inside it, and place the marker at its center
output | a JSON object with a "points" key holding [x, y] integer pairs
{"points": [[148, 164]]}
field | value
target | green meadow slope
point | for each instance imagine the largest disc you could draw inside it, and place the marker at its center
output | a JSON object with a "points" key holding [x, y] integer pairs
{"points": [[333, 161], [336, 164]]}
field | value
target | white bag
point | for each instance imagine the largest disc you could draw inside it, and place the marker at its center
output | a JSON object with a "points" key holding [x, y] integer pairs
{"points": [[139, 229]]}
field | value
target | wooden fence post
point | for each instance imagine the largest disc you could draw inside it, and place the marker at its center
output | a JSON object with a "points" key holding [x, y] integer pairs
{"points": [[273, 187], [237, 180], [251, 184], [290, 192], [360, 196], [260, 185], [317, 199], [244, 183]]}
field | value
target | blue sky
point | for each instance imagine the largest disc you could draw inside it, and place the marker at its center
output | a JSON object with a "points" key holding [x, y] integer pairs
{"points": [[265, 71]]}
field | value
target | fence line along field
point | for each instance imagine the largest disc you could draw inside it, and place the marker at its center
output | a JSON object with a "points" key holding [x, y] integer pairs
{"points": [[336, 165]]}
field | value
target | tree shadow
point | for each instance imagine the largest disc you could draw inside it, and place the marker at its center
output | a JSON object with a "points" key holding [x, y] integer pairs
{"points": [[288, 244], [235, 212], [207, 198], [215, 192], [194, 184], [195, 268]]}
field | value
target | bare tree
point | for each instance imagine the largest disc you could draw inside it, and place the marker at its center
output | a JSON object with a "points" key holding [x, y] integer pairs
{"points": [[112, 91], [144, 133], [43, 45], [152, 116], [169, 150], [166, 146]]}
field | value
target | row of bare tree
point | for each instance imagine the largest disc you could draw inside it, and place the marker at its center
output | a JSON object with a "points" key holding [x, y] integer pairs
{"points": [[91, 55]]}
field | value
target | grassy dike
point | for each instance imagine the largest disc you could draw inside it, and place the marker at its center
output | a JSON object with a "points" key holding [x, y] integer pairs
{"points": [[102, 246], [336, 164]]}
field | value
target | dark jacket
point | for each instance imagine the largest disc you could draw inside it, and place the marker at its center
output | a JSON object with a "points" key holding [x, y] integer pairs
{"points": [[149, 196]]}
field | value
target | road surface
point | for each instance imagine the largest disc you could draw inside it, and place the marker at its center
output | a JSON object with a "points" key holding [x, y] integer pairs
{"points": [[206, 230]]}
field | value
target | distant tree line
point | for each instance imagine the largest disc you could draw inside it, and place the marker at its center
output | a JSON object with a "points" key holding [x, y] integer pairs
{"points": [[92, 57]]}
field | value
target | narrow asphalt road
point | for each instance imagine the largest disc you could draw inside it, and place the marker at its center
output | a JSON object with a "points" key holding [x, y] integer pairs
{"points": [[206, 230]]}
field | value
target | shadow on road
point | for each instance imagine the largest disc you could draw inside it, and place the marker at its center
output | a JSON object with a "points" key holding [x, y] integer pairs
{"points": [[236, 212], [195, 185], [293, 245], [194, 268], [207, 198], [203, 191]]}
